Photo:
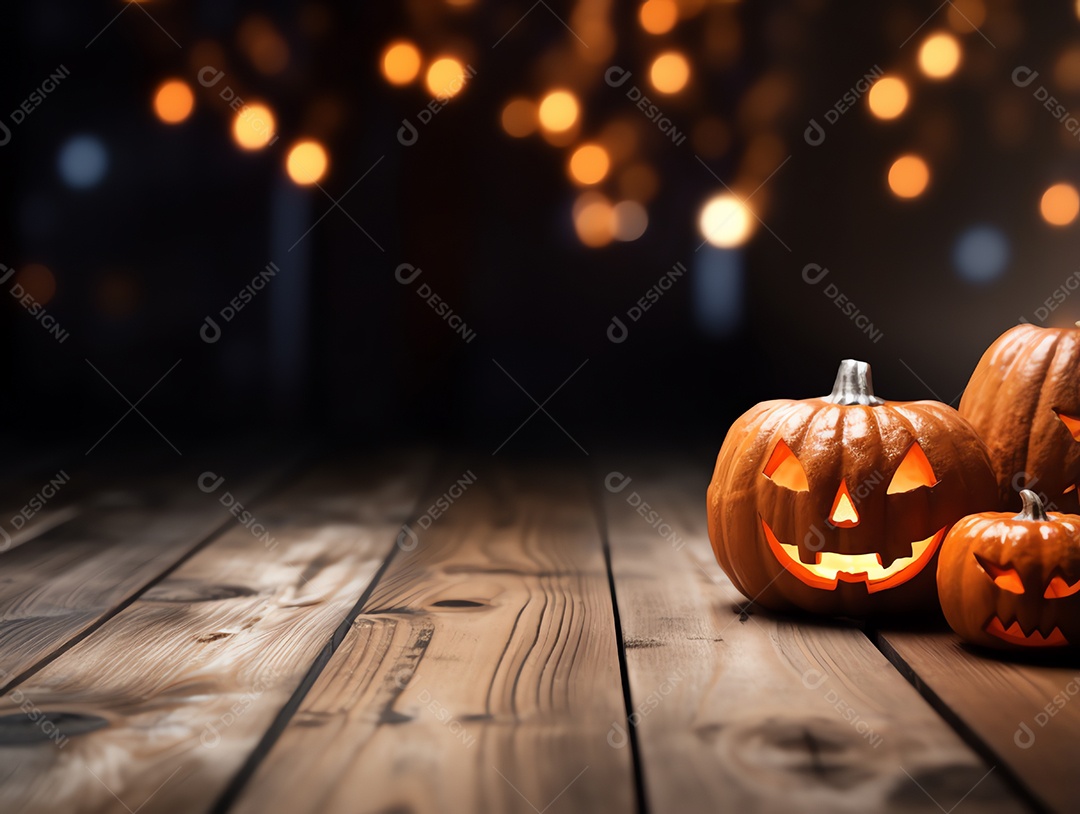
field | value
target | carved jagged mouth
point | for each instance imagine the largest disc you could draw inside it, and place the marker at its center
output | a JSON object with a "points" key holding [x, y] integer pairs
{"points": [[1014, 634], [832, 568]]}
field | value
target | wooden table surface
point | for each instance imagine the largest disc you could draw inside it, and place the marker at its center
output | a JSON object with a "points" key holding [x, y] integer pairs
{"points": [[414, 632]]}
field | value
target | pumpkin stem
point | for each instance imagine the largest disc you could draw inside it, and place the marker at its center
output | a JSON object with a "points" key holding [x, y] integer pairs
{"points": [[1033, 507], [854, 385]]}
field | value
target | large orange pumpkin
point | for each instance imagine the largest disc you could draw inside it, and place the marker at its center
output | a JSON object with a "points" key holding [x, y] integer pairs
{"points": [[1024, 401], [837, 505], [1013, 583]]}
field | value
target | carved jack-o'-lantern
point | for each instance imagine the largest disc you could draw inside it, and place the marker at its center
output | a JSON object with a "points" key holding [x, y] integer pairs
{"points": [[1024, 401], [838, 505], [1013, 582]]}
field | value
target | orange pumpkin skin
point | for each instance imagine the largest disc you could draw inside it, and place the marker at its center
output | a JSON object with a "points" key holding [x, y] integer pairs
{"points": [[1013, 582], [851, 444], [1021, 398]]}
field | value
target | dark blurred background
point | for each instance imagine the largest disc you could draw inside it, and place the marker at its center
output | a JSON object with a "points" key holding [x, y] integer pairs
{"points": [[805, 181]]}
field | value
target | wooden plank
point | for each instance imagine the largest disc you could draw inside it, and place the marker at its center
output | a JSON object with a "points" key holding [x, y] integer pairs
{"points": [[172, 693], [76, 574], [741, 710], [1026, 715], [481, 676]]}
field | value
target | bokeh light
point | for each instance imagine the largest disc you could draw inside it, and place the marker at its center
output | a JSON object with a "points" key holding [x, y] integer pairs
{"points": [[631, 220], [445, 77], [83, 161], [1060, 204], [38, 281], [725, 221], [981, 254], [594, 220], [173, 101], [519, 117], [558, 111], [669, 72], [658, 16], [939, 55], [401, 63], [307, 162], [253, 127], [589, 164], [263, 44], [966, 15], [888, 97], [908, 176]]}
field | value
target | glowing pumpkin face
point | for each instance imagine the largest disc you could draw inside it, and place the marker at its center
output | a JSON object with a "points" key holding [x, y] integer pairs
{"points": [[1024, 401], [1013, 582], [838, 505]]}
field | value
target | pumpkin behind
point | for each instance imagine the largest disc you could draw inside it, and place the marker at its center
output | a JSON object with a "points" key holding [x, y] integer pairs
{"points": [[837, 505]]}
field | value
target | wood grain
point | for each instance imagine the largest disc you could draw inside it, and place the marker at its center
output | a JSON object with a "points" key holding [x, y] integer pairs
{"points": [[168, 697], [122, 539], [747, 711], [1027, 715], [481, 676]]}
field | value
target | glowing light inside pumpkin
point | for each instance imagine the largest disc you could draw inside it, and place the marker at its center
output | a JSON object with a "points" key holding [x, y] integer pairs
{"points": [[1060, 205], [832, 568], [784, 469], [914, 471], [1005, 578], [939, 56], [1059, 588], [843, 514], [1072, 424], [1015, 634]]}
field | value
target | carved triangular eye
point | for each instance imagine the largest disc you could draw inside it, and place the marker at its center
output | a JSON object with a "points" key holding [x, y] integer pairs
{"points": [[914, 471], [1059, 588], [785, 470], [1072, 424], [1005, 578]]}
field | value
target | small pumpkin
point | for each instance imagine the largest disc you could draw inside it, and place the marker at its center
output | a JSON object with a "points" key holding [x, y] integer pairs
{"points": [[1013, 582], [1024, 401], [837, 505]]}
